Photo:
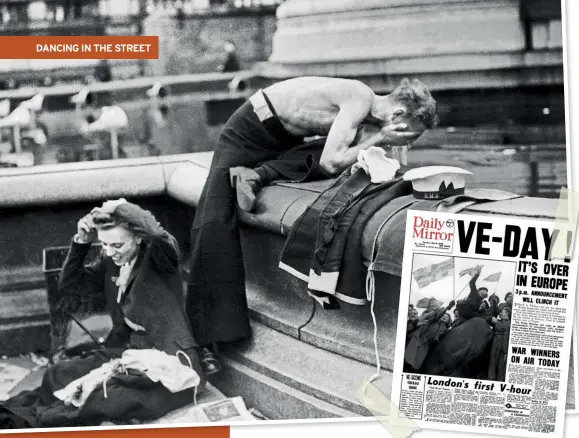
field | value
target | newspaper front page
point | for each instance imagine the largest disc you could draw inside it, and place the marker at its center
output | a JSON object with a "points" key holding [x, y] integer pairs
{"points": [[485, 325]]}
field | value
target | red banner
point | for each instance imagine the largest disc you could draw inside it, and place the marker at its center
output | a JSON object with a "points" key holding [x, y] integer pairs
{"points": [[79, 47]]}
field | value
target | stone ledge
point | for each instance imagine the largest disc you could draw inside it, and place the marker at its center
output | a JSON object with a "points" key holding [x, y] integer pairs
{"points": [[375, 77], [183, 177], [300, 8], [98, 180], [431, 63]]}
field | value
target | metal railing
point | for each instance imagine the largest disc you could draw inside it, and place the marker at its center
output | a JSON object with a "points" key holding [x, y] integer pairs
{"points": [[58, 97]]}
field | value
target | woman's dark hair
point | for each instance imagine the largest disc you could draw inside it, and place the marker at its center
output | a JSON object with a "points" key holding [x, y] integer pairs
{"points": [[106, 221]]}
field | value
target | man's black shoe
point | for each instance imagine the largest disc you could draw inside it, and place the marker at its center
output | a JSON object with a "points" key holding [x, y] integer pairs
{"points": [[209, 361], [246, 183]]}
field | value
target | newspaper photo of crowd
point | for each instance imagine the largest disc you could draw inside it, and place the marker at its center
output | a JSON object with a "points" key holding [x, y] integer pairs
{"points": [[459, 317]]}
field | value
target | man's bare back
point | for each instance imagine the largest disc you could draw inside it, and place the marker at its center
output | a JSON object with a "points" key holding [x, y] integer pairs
{"points": [[308, 105], [341, 109]]}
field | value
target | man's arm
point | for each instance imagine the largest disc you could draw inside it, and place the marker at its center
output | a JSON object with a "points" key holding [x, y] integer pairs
{"points": [[344, 142], [473, 295], [337, 154]]}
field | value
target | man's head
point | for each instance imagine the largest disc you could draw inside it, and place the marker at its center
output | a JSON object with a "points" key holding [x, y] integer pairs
{"points": [[505, 314], [118, 241], [466, 310], [509, 298], [410, 103], [412, 314], [494, 299], [445, 319], [455, 313], [484, 306], [229, 47], [483, 292]]}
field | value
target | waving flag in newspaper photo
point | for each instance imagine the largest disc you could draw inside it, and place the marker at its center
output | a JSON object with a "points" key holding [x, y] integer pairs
{"points": [[493, 277], [470, 271], [432, 282]]}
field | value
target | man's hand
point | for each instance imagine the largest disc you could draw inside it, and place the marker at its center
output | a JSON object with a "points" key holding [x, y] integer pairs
{"points": [[86, 232], [397, 135]]}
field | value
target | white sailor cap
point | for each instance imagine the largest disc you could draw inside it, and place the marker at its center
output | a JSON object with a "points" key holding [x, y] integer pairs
{"points": [[437, 182]]}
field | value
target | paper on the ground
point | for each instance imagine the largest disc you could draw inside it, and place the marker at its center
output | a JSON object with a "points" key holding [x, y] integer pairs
{"points": [[222, 411], [10, 376], [486, 371]]}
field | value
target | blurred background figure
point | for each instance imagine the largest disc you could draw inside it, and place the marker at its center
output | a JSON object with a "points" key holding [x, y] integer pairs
{"points": [[231, 61], [102, 71]]}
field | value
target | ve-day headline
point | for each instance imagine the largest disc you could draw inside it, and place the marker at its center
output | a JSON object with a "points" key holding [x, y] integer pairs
{"points": [[514, 242], [485, 325], [93, 47]]}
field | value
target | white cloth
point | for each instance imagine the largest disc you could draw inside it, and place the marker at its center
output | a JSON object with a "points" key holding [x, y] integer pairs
{"points": [[376, 164], [78, 391], [157, 365], [121, 282], [123, 278], [161, 367]]}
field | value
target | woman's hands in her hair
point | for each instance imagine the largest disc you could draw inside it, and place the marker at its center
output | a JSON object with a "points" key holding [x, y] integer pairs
{"points": [[109, 207], [86, 231]]}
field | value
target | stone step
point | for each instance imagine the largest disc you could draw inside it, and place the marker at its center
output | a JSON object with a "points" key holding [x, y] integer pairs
{"points": [[273, 399], [24, 337], [22, 278], [280, 301], [298, 372], [24, 322], [23, 305]]}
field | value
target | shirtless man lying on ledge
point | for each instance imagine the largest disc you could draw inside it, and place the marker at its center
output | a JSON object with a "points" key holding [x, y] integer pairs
{"points": [[264, 140]]}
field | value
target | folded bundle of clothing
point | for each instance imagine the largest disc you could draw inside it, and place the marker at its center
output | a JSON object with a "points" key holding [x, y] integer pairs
{"points": [[363, 216], [156, 365]]}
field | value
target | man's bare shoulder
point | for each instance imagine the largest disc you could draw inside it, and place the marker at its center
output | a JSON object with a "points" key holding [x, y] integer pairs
{"points": [[334, 89]]}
